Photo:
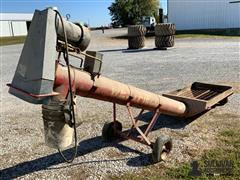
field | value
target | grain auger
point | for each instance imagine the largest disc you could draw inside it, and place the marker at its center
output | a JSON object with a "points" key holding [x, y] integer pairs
{"points": [[42, 78]]}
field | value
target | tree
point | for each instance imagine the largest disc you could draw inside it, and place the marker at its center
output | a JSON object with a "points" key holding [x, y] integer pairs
{"points": [[129, 12]]}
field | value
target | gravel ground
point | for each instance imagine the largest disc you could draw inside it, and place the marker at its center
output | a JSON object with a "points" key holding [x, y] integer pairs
{"points": [[213, 60]]}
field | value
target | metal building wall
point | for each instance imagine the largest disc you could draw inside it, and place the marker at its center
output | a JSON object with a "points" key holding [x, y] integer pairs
{"points": [[19, 28], [5, 28], [204, 14], [14, 24], [13, 28]]}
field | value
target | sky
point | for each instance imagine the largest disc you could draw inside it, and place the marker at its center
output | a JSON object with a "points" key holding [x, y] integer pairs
{"points": [[93, 12]]}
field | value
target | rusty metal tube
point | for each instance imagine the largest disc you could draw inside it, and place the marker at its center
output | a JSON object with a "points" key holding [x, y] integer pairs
{"points": [[105, 89]]}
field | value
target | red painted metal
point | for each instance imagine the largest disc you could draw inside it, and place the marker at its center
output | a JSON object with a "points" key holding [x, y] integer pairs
{"points": [[105, 89], [143, 136]]}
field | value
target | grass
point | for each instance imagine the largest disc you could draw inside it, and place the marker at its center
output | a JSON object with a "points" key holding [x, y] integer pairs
{"points": [[219, 32], [226, 155], [183, 36], [4, 41], [202, 36]]}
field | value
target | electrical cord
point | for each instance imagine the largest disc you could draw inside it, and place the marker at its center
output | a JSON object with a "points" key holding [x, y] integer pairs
{"points": [[66, 58]]}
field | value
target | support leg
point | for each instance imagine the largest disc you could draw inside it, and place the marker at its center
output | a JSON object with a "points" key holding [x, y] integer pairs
{"points": [[136, 127], [142, 138], [152, 122], [136, 121]]}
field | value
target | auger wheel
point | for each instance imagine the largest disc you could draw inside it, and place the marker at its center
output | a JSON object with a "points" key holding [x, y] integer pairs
{"points": [[161, 148], [110, 130]]}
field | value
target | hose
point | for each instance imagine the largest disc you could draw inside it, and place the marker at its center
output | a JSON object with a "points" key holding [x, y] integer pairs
{"points": [[66, 58]]}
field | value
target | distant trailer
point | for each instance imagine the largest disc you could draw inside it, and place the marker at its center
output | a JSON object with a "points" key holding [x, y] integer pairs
{"points": [[204, 14], [14, 24]]}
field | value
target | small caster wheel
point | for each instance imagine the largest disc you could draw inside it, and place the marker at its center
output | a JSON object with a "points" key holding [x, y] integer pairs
{"points": [[223, 102], [109, 133], [161, 148]]}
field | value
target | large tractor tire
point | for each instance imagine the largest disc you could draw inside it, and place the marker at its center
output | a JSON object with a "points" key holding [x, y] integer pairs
{"points": [[136, 30], [165, 29], [164, 41], [136, 42]]}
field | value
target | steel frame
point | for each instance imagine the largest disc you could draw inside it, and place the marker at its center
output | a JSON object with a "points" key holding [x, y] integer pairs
{"points": [[143, 135]]}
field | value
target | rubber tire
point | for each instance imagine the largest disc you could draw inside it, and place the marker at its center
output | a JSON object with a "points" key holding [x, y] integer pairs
{"points": [[157, 148], [136, 42], [165, 29], [136, 30], [108, 133], [223, 102], [164, 41]]}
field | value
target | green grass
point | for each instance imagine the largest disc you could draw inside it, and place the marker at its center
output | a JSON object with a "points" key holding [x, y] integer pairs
{"points": [[228, 151], [219, 32], [4, 41], [203, 36], [183, 36]]}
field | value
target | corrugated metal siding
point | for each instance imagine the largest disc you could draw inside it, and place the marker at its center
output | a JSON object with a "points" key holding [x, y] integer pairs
{"points": [[16, 16], [203, 14], [13, 28], [14, 24], [5, 29], [19, 28]]}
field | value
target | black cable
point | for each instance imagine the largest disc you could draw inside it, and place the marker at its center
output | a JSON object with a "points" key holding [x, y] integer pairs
{"points": [[66, 58]]}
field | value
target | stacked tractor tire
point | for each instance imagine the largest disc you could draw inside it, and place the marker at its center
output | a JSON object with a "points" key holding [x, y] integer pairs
{"points": [[164, 35], [136, 36]]}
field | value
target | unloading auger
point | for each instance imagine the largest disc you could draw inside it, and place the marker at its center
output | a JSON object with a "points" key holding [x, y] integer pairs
{"points": [[41, 78]]}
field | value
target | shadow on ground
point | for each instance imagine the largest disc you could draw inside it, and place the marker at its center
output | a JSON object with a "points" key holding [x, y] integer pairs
{"points": [[133, 50], [125, 36], [91, 145]]}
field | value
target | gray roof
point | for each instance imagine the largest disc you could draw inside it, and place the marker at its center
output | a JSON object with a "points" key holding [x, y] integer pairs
{"points": [[16, 16]]}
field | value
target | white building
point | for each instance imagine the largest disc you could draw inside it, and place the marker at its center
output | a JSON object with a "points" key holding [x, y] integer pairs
{"points": [[204, 14], [14, 24]]}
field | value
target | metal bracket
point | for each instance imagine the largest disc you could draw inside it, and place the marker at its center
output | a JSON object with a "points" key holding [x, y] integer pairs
{"points": [[142, 137]]}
